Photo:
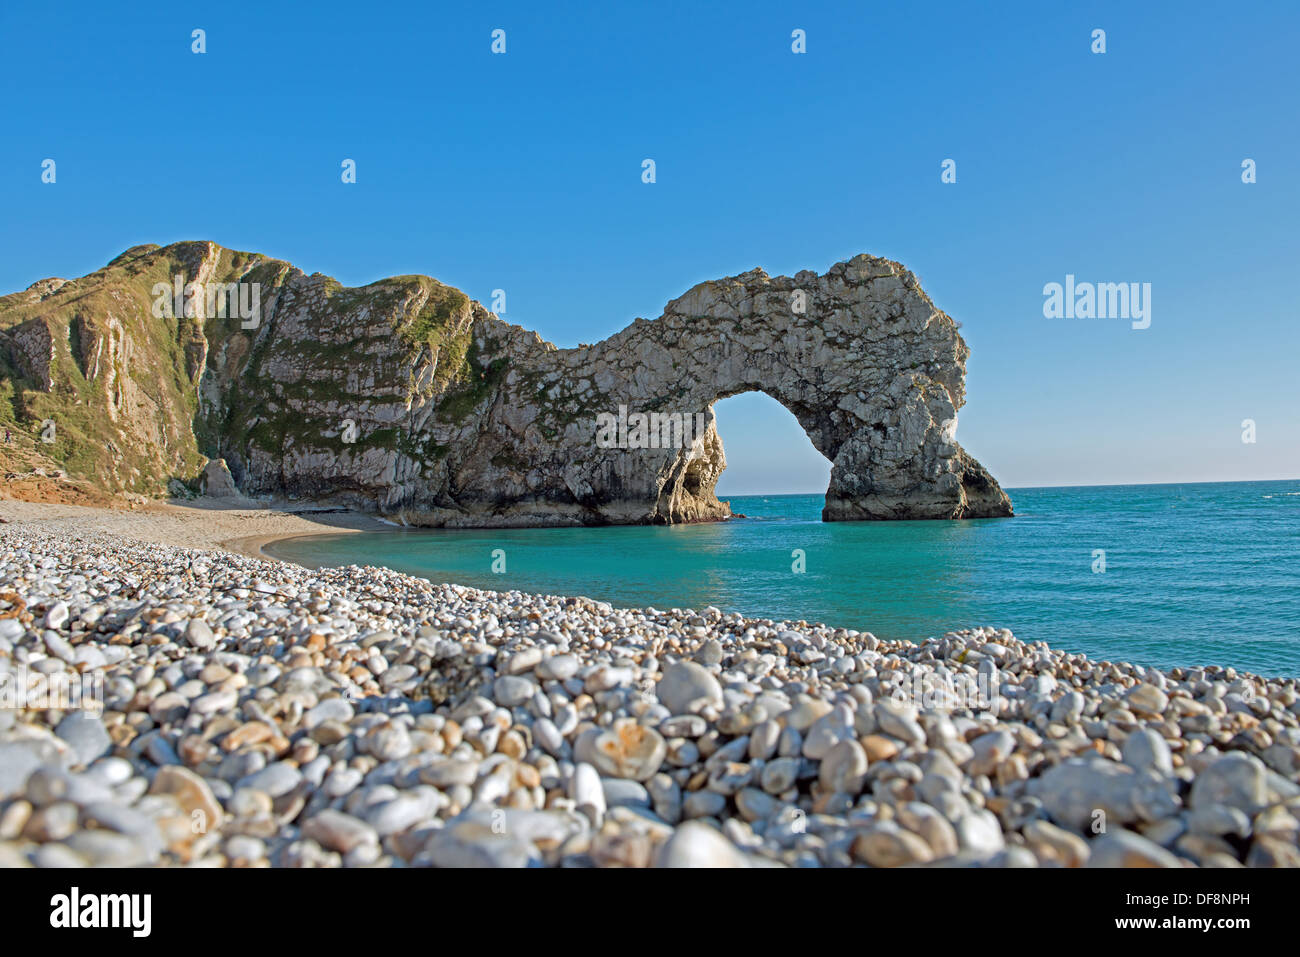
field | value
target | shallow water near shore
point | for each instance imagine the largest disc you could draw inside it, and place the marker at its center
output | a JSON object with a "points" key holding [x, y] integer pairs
{"points": [[1194, 574]]}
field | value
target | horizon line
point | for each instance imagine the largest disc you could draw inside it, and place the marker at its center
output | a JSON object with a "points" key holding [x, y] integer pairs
{"points": [[1014, 488]]}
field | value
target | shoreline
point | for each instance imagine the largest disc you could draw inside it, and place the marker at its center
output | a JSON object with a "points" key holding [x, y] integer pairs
{"points": [[238, 526], [254, 546], [352, 717], [248, 528]]}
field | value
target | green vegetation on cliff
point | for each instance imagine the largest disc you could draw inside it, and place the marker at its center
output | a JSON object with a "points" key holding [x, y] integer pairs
{"points": [[87, 364], [477, 382], [139, 395]]}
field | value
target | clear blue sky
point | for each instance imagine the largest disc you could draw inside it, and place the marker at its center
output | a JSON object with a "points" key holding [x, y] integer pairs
{"points": [[523, 172]]}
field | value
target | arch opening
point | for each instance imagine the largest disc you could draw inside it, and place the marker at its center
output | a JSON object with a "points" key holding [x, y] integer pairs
{"points": [[767, 450]]}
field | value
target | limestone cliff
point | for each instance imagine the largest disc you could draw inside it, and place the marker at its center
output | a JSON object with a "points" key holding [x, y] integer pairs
{"points": [[406, 398]]}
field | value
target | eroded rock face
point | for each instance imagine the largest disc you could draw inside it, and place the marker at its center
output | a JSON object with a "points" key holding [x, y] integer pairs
{"points": [[216, 481], [872, 370], [406, 398], [31, 347]]}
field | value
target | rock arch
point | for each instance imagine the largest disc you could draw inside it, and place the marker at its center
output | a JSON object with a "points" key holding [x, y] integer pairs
{"points": [[406, 398], [871, 369]]}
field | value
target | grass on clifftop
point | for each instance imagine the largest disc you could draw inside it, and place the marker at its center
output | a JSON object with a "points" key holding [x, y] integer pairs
{"points": [[321, 349], [110, 354]]}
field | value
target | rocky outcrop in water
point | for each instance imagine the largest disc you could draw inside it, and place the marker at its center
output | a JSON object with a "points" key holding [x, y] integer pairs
{"points": [[407, 398]]}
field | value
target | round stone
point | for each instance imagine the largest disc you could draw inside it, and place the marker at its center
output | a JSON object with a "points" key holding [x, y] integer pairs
{"points": [[687, 687], [624, 750]]}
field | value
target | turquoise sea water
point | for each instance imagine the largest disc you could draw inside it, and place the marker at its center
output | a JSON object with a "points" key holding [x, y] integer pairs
{"points": [[1194, 574]]}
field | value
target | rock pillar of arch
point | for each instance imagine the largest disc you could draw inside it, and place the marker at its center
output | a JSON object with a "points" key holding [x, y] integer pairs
{"points": [[871, 368]]}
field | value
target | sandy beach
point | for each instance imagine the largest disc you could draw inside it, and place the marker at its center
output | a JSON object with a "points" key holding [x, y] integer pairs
{"points": [[240, 527]]}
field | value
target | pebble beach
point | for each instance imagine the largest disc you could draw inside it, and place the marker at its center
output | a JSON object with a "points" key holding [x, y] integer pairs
{"points": [[245, 712]]}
